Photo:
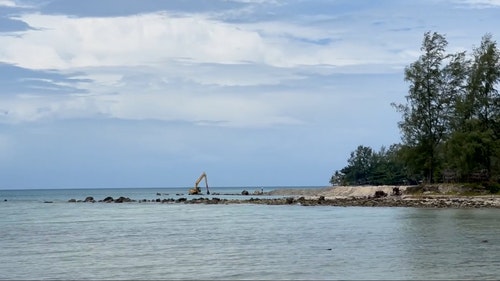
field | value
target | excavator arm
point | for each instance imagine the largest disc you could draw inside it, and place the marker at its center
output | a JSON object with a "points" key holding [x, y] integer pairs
{"points": [[196, 189]]}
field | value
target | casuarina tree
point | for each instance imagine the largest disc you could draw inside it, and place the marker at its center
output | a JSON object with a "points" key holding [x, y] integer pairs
{"points": [[425, 116]]}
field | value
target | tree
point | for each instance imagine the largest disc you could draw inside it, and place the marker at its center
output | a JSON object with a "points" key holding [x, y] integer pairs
{"points": [[425, 116], [388, 169], [338, 178], [456, 75], [450, 125], [467, 154], [481, 111], [359, 165], [366, 166], [485, 75]]}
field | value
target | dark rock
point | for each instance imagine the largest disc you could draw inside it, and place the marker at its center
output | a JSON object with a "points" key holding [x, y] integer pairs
{"points": [[289, 200], [123, 199], [48, 202], [72, 200], [301, 200], [245, 192], [182, 199], [158, 200], [108, 199], [89, 199], [380, 194], [396, 191], [214, 200]]}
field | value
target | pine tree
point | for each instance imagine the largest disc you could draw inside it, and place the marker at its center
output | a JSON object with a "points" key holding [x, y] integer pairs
{"points": [[425, 116]]}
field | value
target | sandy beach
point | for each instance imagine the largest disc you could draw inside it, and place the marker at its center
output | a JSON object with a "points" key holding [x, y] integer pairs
{"points": [[335, 192]]}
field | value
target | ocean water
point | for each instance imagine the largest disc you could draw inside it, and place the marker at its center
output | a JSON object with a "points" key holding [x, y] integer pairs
{"points": [[152, 241]]}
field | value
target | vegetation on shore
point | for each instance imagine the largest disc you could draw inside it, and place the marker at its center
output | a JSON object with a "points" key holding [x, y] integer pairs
{"points": [[450, 123]]}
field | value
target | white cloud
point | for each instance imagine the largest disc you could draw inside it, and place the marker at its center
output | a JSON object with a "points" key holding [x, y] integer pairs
{"points": [[480, 3], [29, 108], [14, 4], [164, 67], [7, 3], [201, 109], [169, 67], [211, 108], [62, 42], [160, 94]]}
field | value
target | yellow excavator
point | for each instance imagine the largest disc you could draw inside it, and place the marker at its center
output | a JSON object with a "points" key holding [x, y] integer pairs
{"points": [[196, 190]]}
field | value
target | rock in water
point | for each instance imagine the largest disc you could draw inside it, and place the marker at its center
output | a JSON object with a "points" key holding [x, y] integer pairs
{"points": [[123, 199]]}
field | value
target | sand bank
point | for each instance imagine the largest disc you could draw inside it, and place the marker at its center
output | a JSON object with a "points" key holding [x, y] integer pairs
{"points": [[337, 191]]}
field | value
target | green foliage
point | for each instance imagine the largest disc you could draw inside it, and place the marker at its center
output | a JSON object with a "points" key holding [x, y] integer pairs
{"points": [[360, 165], [425, 115], [450, 122], [484, 76], [469, 152], [374, 168], [492, 187], [473, 147]]}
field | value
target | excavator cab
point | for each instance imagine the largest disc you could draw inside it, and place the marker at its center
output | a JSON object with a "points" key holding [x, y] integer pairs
{"points": [[196, 190]]}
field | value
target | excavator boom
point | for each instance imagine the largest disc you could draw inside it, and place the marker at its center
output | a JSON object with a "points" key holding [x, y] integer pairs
{"points": [[196, 189]]}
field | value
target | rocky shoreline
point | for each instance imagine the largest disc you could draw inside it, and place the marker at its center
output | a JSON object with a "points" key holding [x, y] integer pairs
{"points": [[324, 197]]}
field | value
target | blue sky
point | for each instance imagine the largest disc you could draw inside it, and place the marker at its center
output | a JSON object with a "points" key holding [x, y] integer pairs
{"points": [[148, 93]]}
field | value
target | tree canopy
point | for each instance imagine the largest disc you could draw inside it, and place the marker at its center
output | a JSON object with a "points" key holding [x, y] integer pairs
{"points": [[450, 123]]}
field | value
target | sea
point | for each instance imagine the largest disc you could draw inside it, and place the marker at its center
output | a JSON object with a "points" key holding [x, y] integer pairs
{"points": [[45, 237]]}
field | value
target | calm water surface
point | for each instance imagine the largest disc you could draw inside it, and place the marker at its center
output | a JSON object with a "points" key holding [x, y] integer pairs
{"points": [[176, 241]]}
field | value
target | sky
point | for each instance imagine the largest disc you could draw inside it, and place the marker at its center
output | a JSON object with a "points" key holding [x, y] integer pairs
{"points": [[151, 93]]}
